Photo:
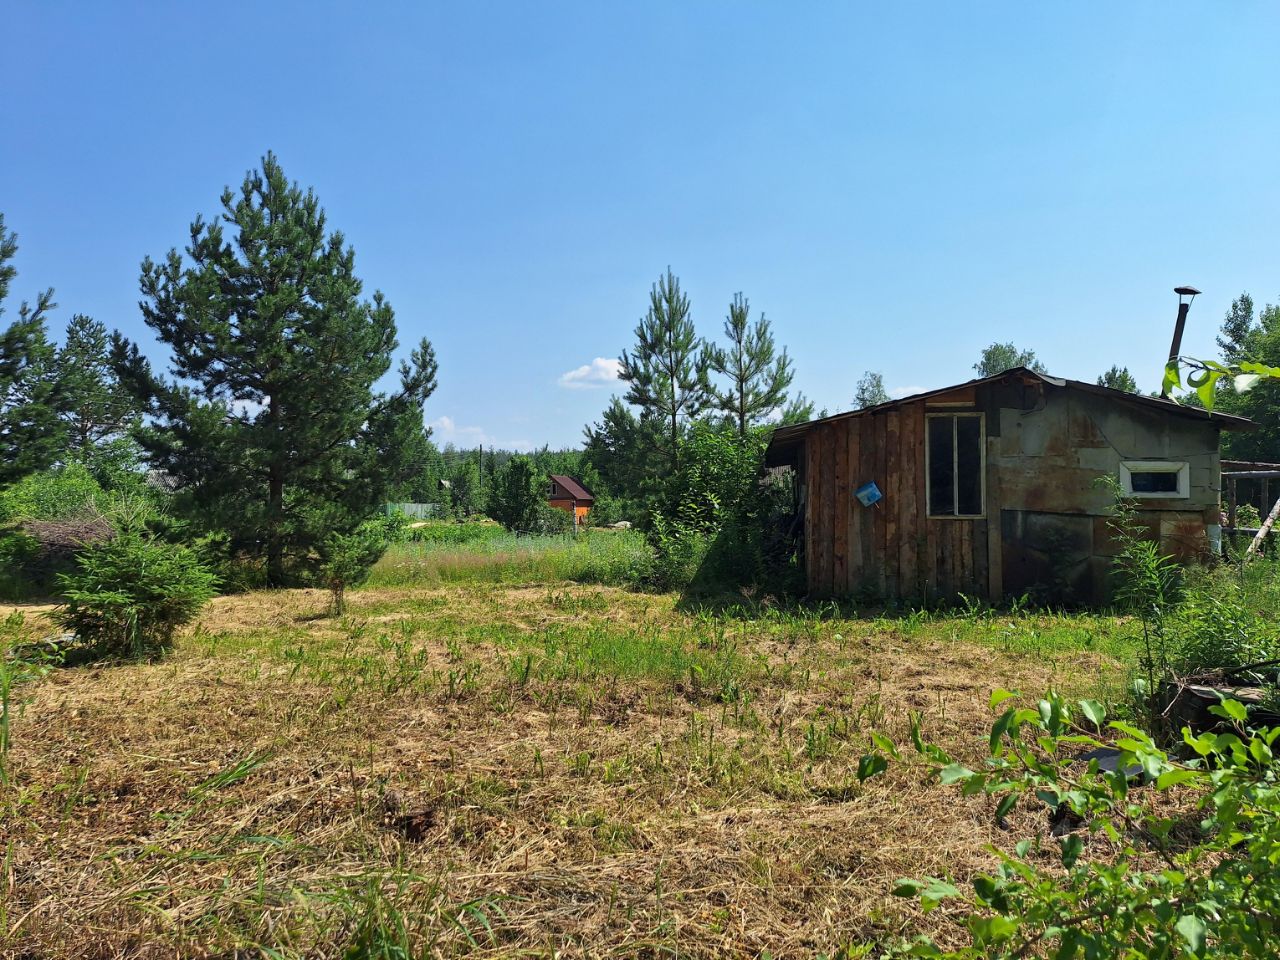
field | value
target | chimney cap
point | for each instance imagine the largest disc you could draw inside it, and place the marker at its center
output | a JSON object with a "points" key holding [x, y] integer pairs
{"points": [[1185, 291]]}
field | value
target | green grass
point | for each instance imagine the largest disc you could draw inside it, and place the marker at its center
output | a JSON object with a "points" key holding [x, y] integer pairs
{"points": [[441, 770], [489, 554]]}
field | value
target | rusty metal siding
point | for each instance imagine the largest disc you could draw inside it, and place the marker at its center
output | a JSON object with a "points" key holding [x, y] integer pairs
{"points": [[1044, 523]]}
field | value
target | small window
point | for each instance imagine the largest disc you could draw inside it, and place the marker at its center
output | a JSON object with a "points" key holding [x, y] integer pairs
{"points": [[956, 457], [1155, 479]]}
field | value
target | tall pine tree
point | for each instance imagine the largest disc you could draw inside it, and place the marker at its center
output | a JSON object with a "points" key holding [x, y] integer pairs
{"points": [[666, 376], [758, 376], [31, 433], [97, 409], [270, 420]]}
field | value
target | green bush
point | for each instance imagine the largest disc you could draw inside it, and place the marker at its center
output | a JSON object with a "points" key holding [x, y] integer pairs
{"points": [[679, 550], [451, 533], [56, 494], [131, 594], [716, 530], [1216, 628], [548, 521], [1154, 878]]}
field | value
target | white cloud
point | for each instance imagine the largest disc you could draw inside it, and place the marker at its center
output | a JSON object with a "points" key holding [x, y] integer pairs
{"points": [[899, 392], [447, 430], [600, 372]]}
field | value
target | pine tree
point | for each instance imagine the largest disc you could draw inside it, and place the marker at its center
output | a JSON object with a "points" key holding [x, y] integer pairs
{"points": [[97, 409], [271, 423], [870, 391], [31, 433], [758, 376], [798, 410], [667, 374], [1119, 378], [620, 450], [1000, 357]]}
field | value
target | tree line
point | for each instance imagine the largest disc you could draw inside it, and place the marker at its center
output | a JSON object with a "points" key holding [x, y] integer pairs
{"points": [[267, 423]]}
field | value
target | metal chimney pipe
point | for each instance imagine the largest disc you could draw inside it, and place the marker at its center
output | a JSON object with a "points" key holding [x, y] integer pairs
{"points": [[1185, 296]]}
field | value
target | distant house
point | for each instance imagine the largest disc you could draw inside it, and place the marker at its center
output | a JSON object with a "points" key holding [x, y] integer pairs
{"points": [[989, 488], [572, 497]]}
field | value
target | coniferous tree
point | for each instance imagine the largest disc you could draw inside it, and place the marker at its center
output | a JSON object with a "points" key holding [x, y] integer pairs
{"points": [[870, 391], [1119, 378], [800, 409], [620, 450], [31, 433], [271, 423], [97, 408], [758, 376], [666, 376], [1000, 357]]}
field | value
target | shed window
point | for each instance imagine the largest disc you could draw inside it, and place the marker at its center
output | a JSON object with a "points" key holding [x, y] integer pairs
{"points": [[956, 457], [1156, 479]]}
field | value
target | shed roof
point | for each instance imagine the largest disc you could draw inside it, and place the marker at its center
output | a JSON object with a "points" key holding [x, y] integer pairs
{"points": [[789, 435], [572, 487]]}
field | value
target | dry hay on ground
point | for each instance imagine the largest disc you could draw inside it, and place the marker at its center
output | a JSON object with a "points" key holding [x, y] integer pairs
{"points": [[503, 768]]}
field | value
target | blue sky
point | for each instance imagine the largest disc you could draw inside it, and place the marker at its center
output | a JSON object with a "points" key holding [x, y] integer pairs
{"points": [[894, 185]]}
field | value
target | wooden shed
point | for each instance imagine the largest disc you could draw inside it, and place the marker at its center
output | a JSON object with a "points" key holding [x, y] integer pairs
{"points": [[989, 488]]}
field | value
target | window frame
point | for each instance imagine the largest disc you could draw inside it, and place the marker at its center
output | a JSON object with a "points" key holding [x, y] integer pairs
{"points": [[954, 416], [1180, 467]]}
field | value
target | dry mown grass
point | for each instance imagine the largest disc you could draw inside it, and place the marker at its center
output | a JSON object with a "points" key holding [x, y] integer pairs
{"points": [[506, 772]]}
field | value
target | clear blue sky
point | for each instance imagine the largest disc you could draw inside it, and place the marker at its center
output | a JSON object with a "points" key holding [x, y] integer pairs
{"points": [[895, 185]]}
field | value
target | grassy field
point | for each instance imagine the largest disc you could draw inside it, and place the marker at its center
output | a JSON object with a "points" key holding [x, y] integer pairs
{"points": [[486, 553], [474, 763]]}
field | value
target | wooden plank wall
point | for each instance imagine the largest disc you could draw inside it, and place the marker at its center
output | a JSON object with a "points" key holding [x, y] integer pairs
{"points": [[890, 549]]}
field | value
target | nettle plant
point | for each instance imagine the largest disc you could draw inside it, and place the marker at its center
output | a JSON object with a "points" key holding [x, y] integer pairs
{"points": [[1187, 857]]}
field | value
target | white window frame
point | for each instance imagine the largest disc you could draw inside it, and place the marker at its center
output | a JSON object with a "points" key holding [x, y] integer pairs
{"points": [[1183, 469], [955, 416]]}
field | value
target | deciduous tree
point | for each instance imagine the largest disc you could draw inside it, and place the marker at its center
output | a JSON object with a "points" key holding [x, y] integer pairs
{"points": [[1000, 357], [870, 391], [518, 495], [1251, 335], [1119, 378]]}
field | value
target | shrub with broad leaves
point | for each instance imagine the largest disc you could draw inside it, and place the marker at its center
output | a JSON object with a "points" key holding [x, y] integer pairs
{"points": [[1188, 850]]}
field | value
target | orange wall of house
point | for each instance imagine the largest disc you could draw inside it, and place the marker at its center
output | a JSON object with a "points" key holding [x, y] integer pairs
{"points": [[568, 507]]}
